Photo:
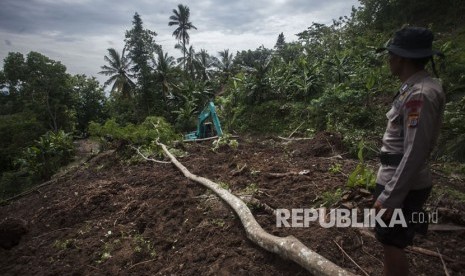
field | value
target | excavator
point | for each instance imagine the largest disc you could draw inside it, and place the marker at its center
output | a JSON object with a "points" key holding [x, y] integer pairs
{"points": [[204, 125]]}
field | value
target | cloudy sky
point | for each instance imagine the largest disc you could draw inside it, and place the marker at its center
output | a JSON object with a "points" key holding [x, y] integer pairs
{"points": [[78, 32]]}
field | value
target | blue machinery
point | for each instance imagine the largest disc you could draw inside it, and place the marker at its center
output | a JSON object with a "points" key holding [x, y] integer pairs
{"points": [[204, 128]]}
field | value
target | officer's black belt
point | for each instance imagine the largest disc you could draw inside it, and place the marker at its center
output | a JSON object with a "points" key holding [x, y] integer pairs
{"points": [[390, 159]]}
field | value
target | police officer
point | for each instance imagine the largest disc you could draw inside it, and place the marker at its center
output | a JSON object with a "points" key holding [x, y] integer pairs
{"points": [[414, 121]]}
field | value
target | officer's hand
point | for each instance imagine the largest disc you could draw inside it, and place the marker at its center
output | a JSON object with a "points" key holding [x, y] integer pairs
{"points": [[387, 213]]}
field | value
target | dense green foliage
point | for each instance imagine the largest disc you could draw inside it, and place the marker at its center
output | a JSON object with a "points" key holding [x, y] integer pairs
{"points": [[153, 128], [40, 101], [46, 155], [38, 161], [328, 79], [17, 130]]}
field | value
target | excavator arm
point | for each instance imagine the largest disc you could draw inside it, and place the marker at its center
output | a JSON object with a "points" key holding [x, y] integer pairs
{"points": [[203, 129]]}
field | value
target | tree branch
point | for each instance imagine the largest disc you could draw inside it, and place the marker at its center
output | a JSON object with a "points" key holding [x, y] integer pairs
{"points": [[147, 158], [293, 139], [347, 255]]}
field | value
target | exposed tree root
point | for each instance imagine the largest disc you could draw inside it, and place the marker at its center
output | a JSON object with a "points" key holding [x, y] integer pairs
{"points": [[287, 247]]}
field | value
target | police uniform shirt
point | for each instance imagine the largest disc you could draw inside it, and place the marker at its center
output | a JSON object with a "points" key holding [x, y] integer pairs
{"points": [[413, 127]]}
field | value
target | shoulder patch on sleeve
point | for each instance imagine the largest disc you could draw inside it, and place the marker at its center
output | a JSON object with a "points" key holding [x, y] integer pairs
{"points": [[413, 107], [414, 104], [413, 119]]}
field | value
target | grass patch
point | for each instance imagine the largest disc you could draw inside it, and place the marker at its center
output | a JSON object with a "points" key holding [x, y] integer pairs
{"points": [[330, 198]]}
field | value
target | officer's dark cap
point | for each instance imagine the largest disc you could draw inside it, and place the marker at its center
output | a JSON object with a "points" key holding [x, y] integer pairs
{"points": [[411, 42]]}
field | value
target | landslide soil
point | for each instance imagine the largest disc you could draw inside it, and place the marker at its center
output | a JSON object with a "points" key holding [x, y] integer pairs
{"points": [[114, 217]]}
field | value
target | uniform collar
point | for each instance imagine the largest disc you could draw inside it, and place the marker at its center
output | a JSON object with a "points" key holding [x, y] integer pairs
{"points": [[412, 80]]}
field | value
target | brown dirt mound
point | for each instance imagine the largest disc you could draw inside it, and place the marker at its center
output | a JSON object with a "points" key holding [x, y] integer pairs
{"points": [[117, 218], [323, 144]]}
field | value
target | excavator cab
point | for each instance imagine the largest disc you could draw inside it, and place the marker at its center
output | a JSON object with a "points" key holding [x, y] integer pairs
{"points": [[208, 124]]}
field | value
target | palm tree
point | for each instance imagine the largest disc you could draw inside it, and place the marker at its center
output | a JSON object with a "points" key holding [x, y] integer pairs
{"points": [[225, 63], [117, 68], [188, 60], [164, 75], [181, 19], [203, 64], [163, 71]]}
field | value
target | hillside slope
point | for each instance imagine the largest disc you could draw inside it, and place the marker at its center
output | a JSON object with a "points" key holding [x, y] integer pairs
{"points": [[110, 217]]}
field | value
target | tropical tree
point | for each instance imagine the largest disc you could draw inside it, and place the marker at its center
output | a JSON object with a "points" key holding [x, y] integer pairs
{"points": [[340, 65], [165, 75], [36, 95], [12, 80], [204, 63], [185, 115], [280, 43], [164, 65], [251, 58], [47, 92], [90, 101], [188, 59], [118, 69], [141, 46], [225, 63], [180, 18]]}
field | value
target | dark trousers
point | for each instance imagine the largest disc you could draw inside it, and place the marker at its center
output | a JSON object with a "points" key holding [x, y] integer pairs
{"points": [[412, 210]]}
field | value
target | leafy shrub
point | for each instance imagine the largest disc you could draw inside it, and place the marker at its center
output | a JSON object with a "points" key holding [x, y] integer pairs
{"points": [[151, 129], [269, 117], [186, 116], [17, 130], [330, 198], [362, 176], [47, 155], [344, 110], [225, 140]]}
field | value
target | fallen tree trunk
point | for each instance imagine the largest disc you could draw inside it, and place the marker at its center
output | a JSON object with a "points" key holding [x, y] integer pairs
{"points": [[287, 247]]}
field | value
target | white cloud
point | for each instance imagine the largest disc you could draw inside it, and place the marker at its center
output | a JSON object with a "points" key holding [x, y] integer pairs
{"points": [[84, 55], [216, 41], [78, 32]]}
